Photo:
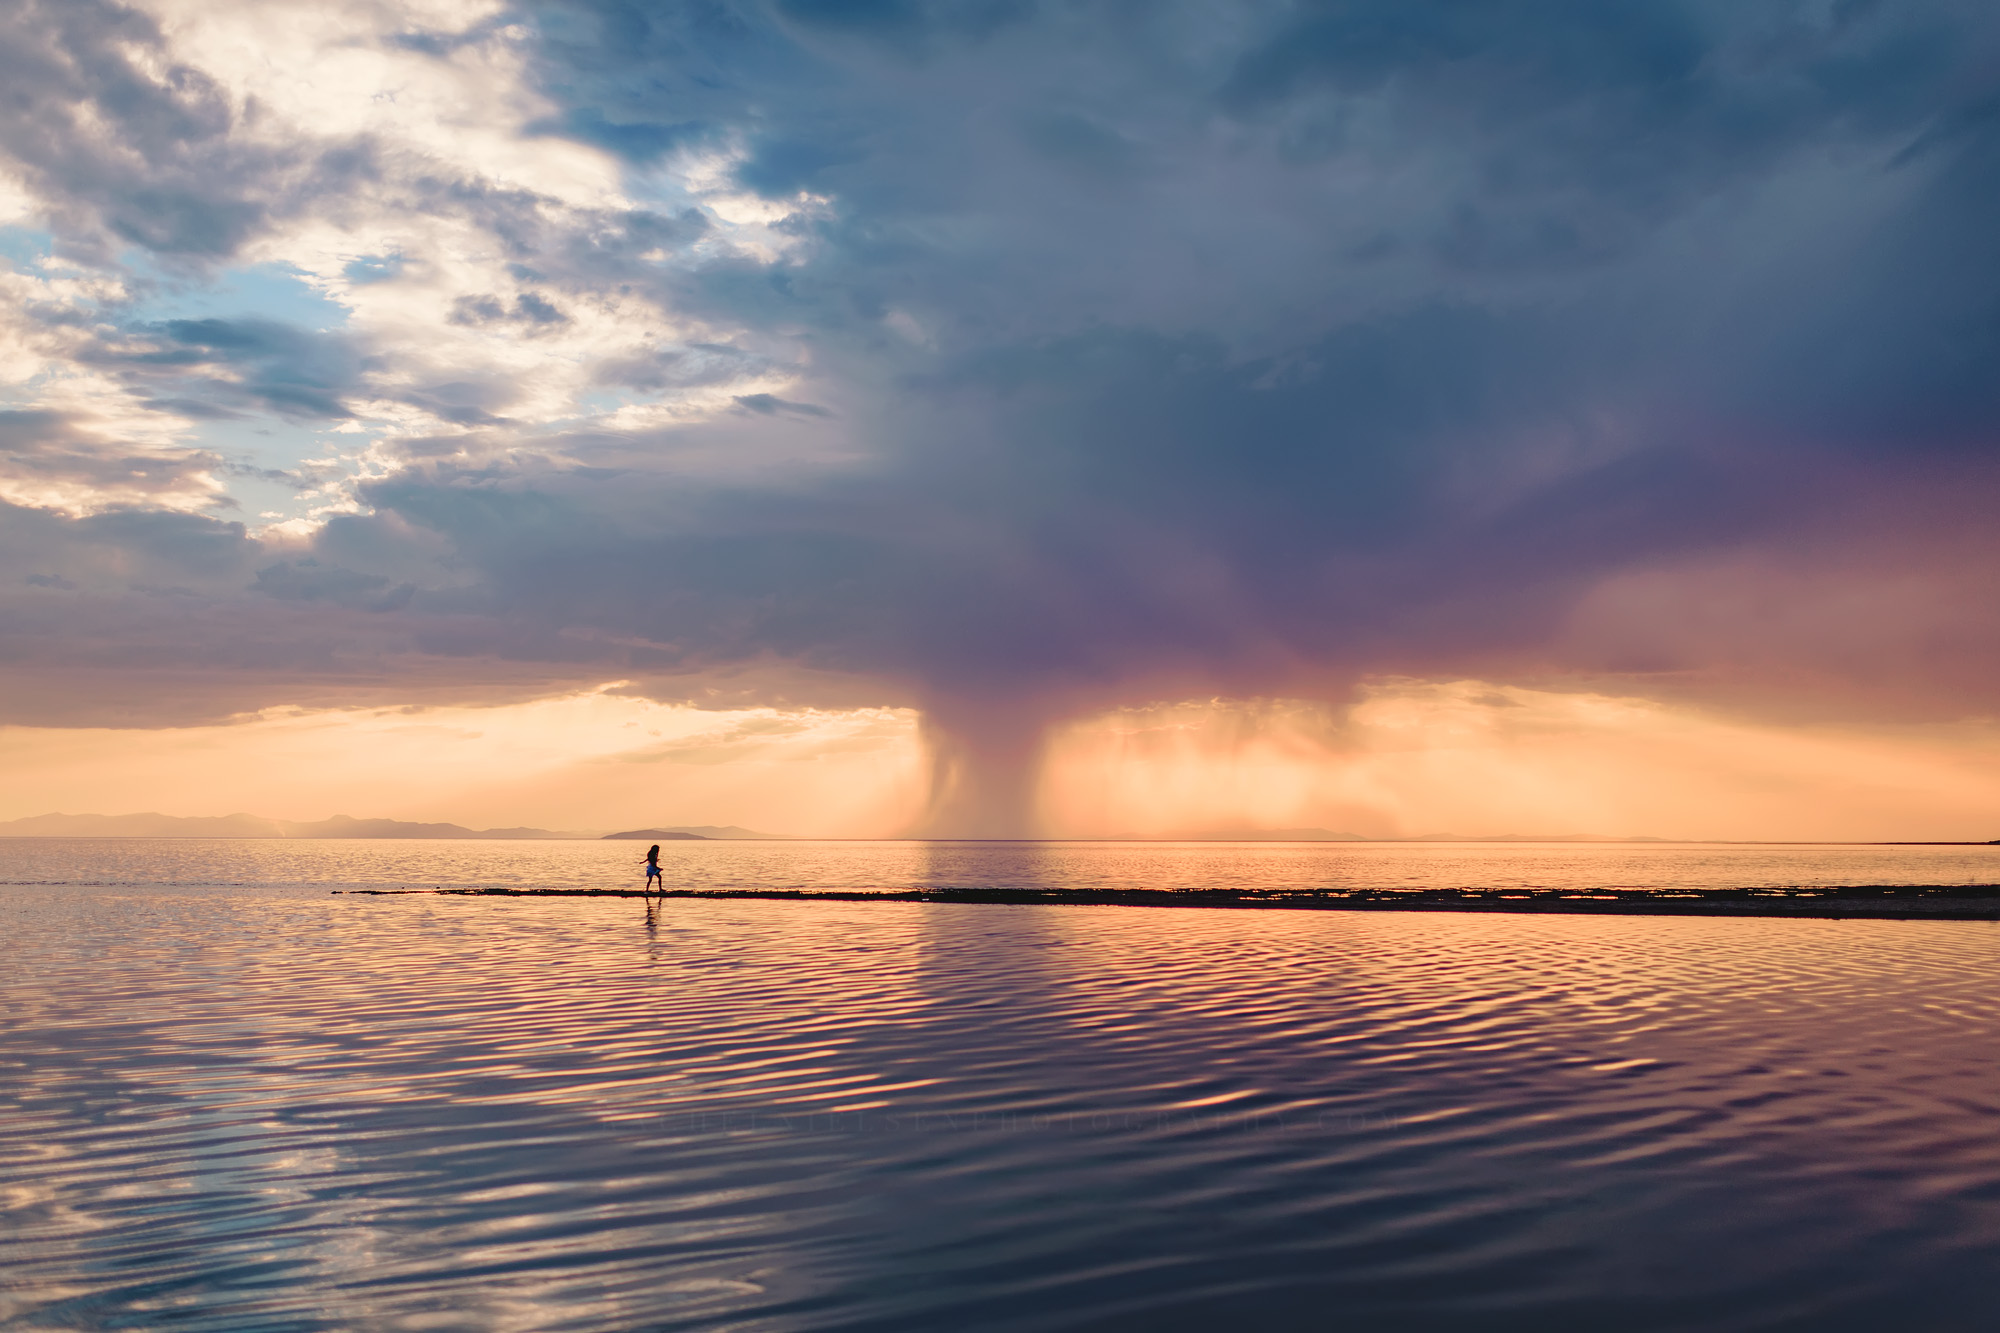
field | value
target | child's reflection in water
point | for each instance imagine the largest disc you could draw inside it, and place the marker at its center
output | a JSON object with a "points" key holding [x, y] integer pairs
{"points": [[654, 912]]}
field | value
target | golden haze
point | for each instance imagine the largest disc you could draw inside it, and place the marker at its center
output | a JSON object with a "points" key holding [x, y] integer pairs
{"points": [[1411, 758]]}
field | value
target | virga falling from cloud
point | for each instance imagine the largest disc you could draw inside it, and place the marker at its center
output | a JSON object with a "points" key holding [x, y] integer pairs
{"points": [[1467, 757]]}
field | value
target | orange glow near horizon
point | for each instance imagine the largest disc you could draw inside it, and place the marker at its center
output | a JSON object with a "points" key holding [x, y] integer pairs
{"points": [[596, 760], [1411, 758], [1472, 758]]}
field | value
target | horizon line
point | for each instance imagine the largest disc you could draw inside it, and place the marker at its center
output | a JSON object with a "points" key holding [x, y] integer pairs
{"points": [[531, 833]]}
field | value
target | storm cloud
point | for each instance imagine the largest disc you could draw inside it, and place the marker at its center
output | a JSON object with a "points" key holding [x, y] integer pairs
{"points": [[1013, 360]]}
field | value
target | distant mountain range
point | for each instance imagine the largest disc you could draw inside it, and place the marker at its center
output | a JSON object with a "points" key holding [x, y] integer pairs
{"points": [[249, 826]]}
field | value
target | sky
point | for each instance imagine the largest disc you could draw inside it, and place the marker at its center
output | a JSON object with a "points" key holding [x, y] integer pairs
{"points": [[1001, 417]]}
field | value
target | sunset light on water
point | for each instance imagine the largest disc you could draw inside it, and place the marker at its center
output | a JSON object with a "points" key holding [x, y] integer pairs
{"points": [[312, 1111]]}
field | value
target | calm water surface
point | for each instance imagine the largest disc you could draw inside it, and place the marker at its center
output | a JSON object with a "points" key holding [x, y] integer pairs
{"points": [[231, 1100], [347, 863]]}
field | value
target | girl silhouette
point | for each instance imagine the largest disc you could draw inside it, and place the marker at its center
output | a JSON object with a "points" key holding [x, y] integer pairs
{"points": [[653, 869]]}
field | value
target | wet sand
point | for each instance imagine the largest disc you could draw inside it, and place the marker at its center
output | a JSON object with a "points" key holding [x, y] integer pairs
{"points": [[1950, 902]]}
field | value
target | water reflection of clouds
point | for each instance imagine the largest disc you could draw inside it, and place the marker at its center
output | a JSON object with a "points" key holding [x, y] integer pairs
{"points": [[529, 1112]]}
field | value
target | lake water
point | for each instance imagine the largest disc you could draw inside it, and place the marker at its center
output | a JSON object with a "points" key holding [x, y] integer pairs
{"points": [[330, 863], [231, 1100]]}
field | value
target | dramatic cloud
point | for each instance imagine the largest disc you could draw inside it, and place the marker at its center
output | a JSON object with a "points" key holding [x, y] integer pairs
{"points": [[1006, 361]]}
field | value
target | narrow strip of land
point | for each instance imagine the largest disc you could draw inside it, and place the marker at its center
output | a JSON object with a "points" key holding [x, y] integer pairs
{"points": [[1950, 902]]}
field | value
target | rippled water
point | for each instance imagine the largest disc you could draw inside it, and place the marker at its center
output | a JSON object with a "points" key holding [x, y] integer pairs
{"points": [[357, 863], [267, 1107]]}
